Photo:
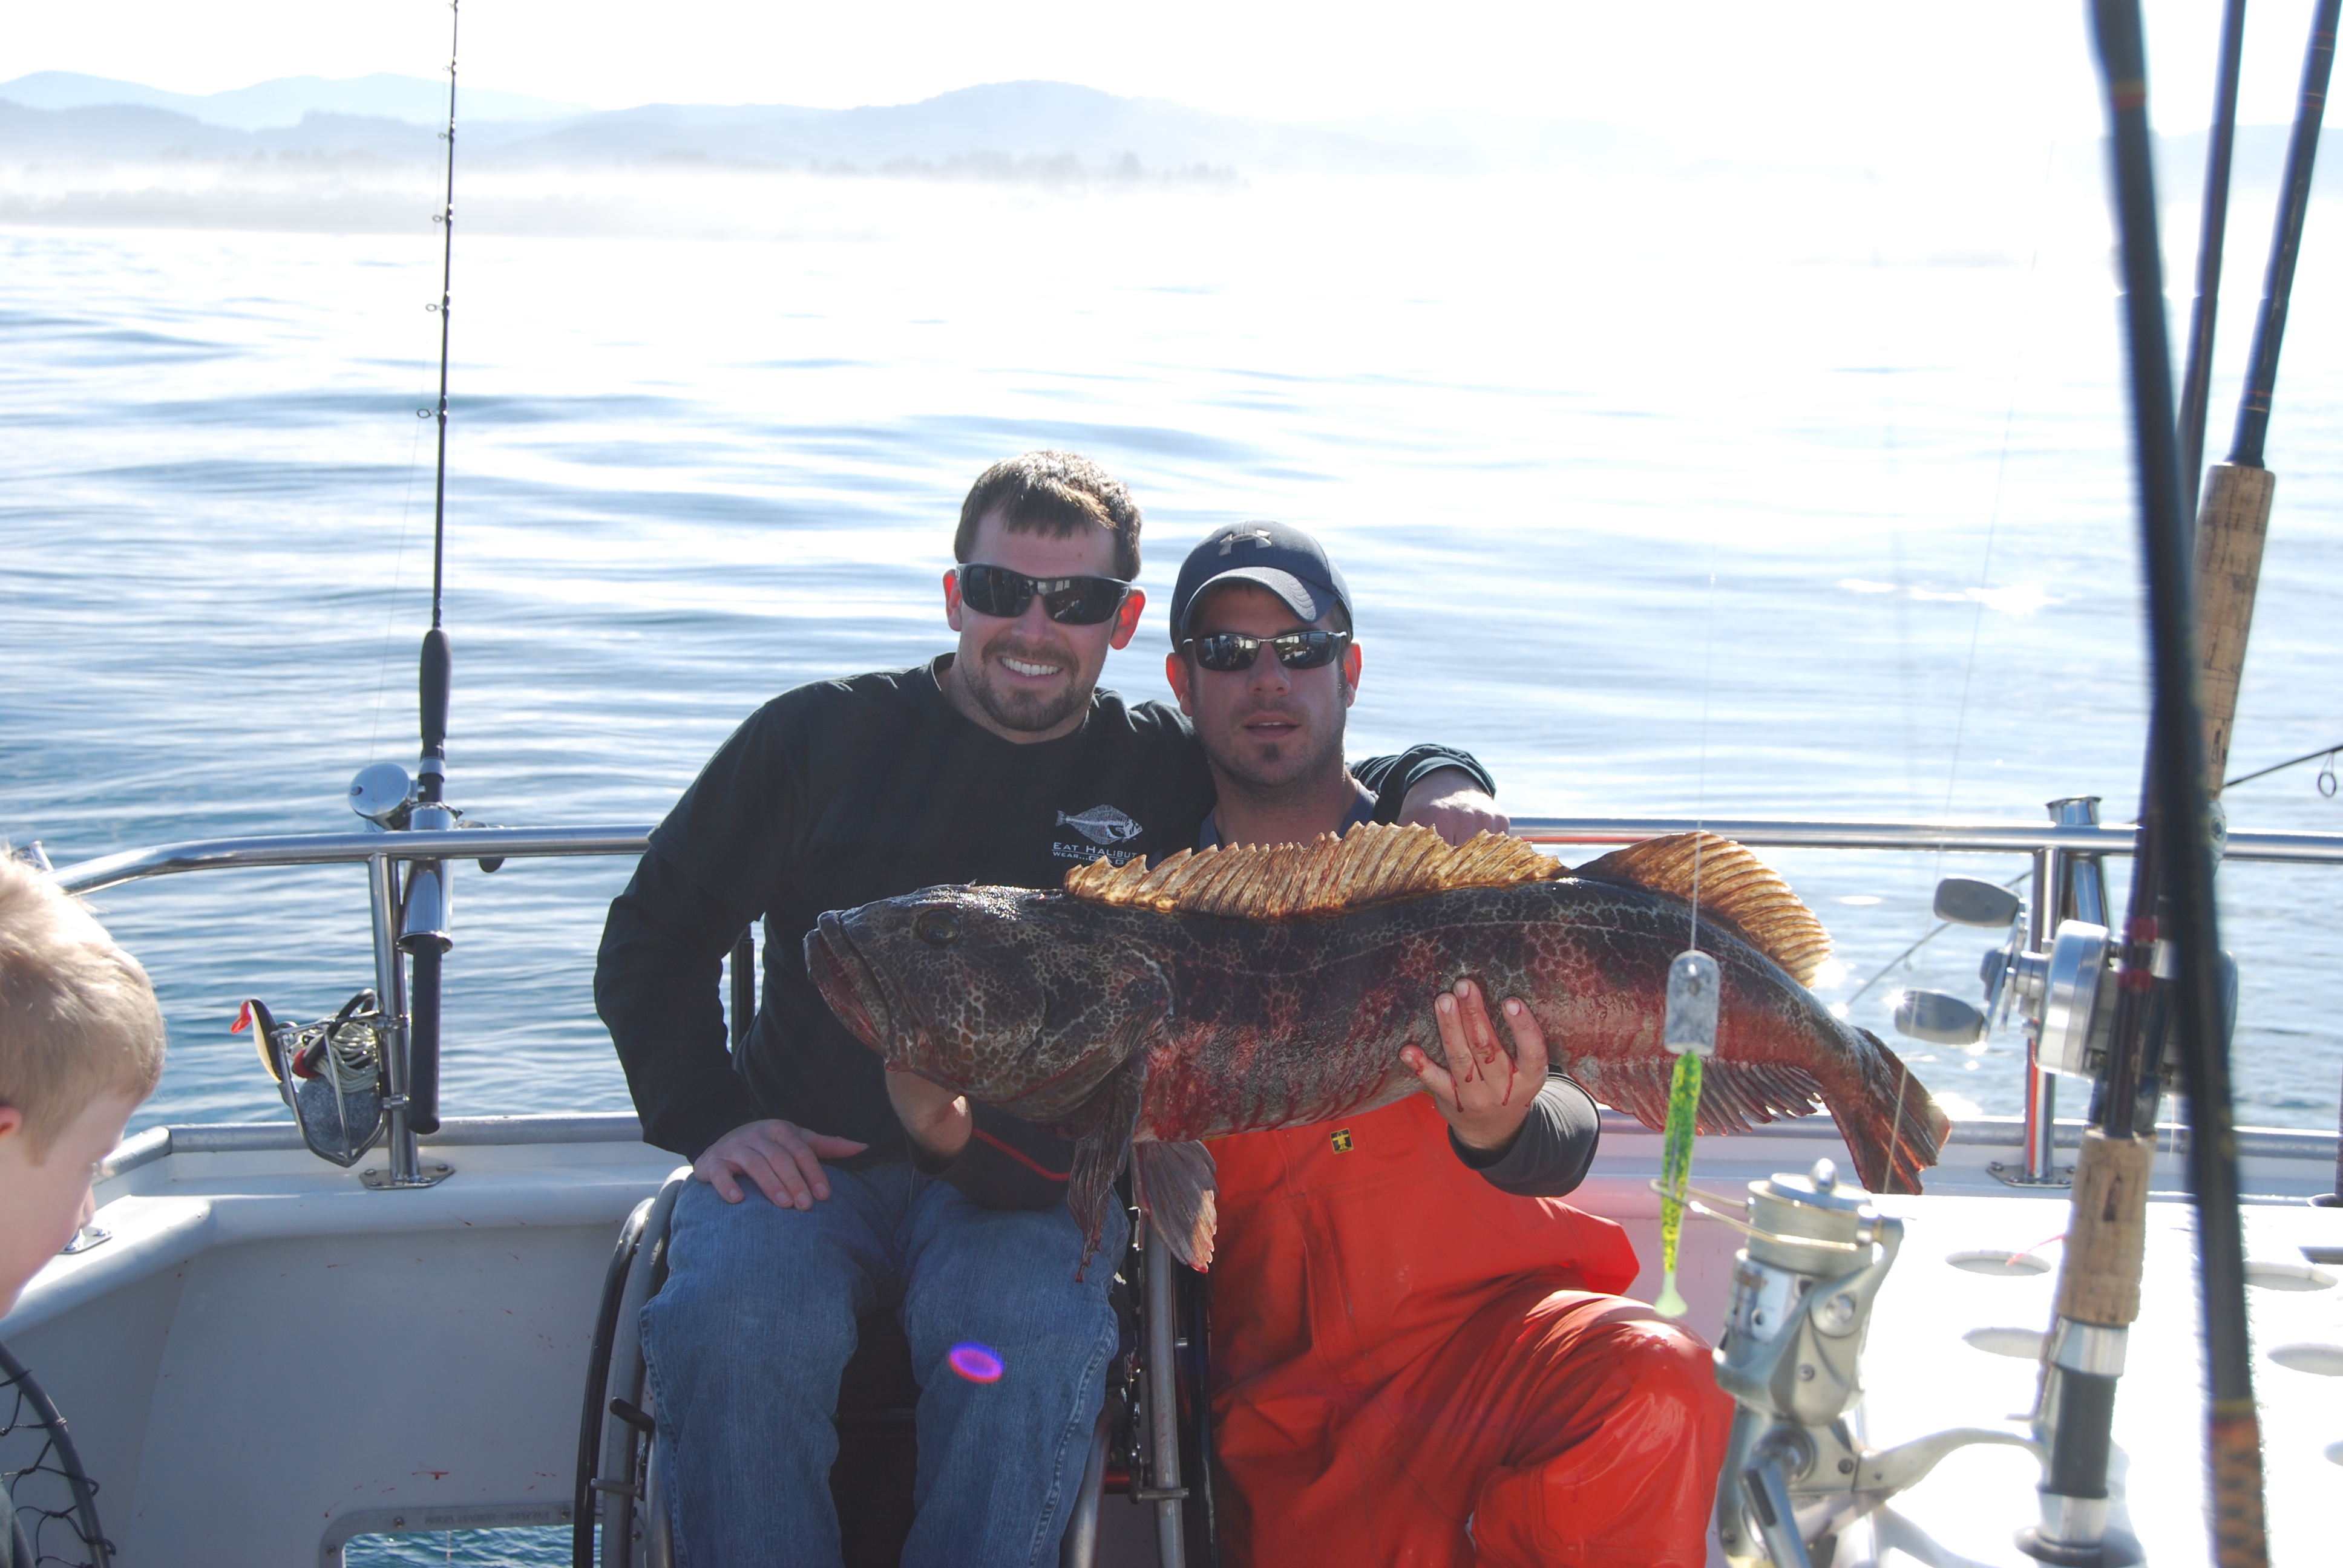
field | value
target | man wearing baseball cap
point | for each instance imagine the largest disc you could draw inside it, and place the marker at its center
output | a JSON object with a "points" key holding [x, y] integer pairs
{"points": [[1282, 756], [1418, 1353]]}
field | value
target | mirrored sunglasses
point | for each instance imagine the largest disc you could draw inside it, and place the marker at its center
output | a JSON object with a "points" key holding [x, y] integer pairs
{"points": [[1069, 601], [1233, 650]]}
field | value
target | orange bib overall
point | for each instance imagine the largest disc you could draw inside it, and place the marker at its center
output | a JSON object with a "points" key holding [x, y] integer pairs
{"points": [[1410, 1367]]}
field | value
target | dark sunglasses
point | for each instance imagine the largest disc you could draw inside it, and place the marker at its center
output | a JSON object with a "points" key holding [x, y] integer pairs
{"points": [[1228, 652], [1069, 601]]}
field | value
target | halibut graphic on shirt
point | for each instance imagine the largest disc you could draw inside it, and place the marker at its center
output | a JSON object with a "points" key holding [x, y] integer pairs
{"points": [[1105, 826]]}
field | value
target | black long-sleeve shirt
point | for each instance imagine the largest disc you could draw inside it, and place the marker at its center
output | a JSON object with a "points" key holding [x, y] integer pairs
{"points": [[841, 792]]}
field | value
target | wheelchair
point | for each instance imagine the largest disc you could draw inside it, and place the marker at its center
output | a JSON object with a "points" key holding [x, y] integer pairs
{"points": [[1152, 1443]]}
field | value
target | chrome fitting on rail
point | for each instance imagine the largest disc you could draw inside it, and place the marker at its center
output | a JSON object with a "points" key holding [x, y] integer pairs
{"points": [[2057, 970]]}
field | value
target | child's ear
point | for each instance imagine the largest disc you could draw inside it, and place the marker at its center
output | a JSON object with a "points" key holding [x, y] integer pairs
{"points": [[11, 1118]]}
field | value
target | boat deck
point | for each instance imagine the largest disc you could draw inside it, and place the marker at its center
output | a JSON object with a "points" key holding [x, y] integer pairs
{"points": [[267, 1358]]}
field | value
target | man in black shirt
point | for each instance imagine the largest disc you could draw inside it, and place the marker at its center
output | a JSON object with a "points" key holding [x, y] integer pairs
{"points": [[1000, 763]]}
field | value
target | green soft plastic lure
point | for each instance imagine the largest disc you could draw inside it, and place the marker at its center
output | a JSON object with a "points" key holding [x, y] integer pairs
{"points": [[1694, 981], [1683, 1110]]}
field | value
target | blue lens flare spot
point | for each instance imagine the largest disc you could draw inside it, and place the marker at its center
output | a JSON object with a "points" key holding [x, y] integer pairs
{"points": [[975, 1362]]}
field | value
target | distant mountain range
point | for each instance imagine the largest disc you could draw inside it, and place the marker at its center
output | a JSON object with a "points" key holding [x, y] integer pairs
{"points": [[282, 102], [1003, 130], [1002, 126]]}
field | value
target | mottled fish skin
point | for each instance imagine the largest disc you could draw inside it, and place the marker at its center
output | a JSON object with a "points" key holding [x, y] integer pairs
{"points": [[1002, 993], [1031, 1001]]}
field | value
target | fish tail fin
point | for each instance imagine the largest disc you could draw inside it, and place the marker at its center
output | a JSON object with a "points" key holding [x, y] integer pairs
{"points": [[1892, 1124], [1175, 1187]]}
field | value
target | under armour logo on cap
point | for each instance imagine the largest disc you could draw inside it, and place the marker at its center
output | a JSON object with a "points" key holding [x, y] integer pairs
{"points": [[1236, 535]]}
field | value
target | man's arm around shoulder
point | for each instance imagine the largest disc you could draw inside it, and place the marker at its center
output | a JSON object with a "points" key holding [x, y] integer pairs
{"points": [[1436, 786]]}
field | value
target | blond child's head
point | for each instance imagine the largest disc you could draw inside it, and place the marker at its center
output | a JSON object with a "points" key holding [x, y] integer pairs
{"points": [[80, 1044]]}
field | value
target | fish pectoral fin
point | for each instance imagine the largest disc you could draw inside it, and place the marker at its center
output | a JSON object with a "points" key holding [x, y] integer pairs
{"points": [[1177, 1194], [1099, 1150]]}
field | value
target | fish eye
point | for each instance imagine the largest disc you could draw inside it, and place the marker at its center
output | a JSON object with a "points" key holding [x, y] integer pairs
{"points": [[937, 928]]}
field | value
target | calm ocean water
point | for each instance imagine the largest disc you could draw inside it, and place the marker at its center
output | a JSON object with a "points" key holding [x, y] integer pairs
{"points": [[1751, 496]]}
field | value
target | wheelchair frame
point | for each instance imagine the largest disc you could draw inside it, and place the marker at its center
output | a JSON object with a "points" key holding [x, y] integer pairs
{"points": [[1155, 1420]]}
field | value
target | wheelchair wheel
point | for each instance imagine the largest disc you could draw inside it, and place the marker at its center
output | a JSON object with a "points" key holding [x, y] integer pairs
{"points": [[1191, 1340], [1157, 1414], [617, 1483]]}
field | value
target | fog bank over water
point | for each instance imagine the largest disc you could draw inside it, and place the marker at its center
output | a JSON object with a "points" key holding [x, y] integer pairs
{"points": [[309, 155], [1668, 486]]}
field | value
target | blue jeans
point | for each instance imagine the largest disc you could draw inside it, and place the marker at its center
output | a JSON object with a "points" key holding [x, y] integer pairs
{"points": [[748, 1336]]}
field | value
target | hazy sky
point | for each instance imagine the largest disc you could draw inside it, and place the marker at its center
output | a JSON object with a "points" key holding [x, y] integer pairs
{"points": [[1789, 79]]}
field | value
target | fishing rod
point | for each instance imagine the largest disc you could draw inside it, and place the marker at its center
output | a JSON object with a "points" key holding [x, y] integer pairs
{"points": [[2196, 382], [2170, 960], [423, 935], [2141, 1022], [2235, 518], [2326, 776], [2232, 557], [2285, 243], [2231, 529]]}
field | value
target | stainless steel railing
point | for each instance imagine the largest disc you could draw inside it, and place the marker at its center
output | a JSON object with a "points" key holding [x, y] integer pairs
{"points": [[2050, 845], [1999, 838], [381, 854], [1779, 833], [348, 848]]}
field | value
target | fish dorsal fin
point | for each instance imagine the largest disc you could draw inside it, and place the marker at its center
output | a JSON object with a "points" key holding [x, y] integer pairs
{"points": [[1372, 864], [1734, 885]]}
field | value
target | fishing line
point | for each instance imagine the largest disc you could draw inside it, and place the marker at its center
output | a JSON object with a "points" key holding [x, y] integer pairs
{"points": [[2000, 478], [446, 219], [446, 274], [1942, 927], [1883, 369], [398, 568], [1700, 778], [1689, 1029]]}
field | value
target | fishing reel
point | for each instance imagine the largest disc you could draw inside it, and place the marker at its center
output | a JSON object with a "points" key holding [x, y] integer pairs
{"points": [[387, 797], [389, 801], [418, 921], [331, 1073], [2064, 993], [1803, 1289]]}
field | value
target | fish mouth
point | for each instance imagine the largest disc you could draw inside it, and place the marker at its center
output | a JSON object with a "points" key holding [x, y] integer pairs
{"points": [[847, 981]]}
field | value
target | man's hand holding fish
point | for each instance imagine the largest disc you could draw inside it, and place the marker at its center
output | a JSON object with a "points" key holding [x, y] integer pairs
{"points": [[1489, 1095]]}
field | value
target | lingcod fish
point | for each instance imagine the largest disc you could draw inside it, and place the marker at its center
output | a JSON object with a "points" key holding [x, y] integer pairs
{"points": [[1235, 989]]}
